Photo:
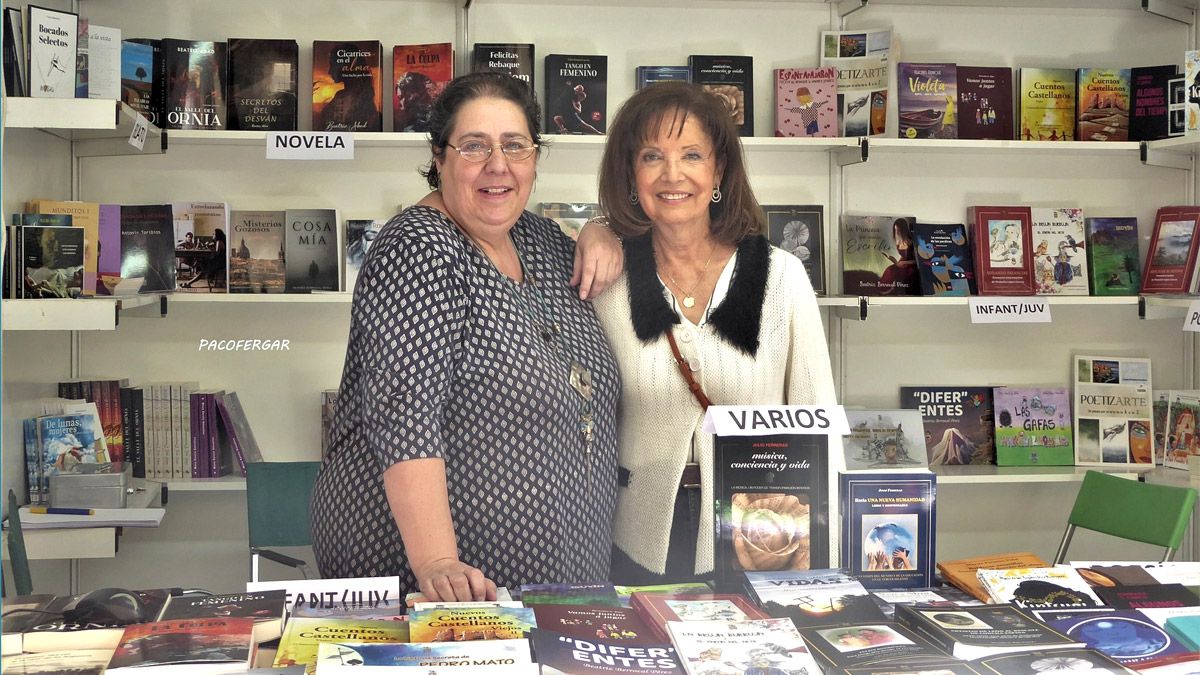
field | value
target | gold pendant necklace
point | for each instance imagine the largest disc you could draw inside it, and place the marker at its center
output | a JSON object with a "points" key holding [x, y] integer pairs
{"points": [[689, 297]]}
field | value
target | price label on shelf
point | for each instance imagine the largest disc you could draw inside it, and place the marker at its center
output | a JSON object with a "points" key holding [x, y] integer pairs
{"points": [[1191, 320], [141, 129], [1009, 310], [309, 145]]}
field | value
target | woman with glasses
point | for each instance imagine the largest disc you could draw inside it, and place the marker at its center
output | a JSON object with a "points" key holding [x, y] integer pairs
{"points": [[473, 442]]}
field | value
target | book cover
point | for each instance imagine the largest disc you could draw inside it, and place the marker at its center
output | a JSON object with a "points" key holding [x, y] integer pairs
{"points": [[81, 59], [419, 75], [1102, 104], [453, 624], [104, 62], [1112, 255], [454, 655], [811, 598], [944, 262], [1112, 412], [194, 78], [740, 647], [263, 84], [889, 523], [1191, 85], [1171, 262], [14, 53], [570, 594], [647, 75], [1056, 660], [347, 93], [73, 662], [301, 637], [201, 246], [1039, 588], [885, 439], [879, 255], [656, 609], [1002, 239], [730, 79], [800, 230], [183, 641], [1033, 426], [63, 628], [985, 103], [311, 250], [959, 423], [1181, 438], [593, 622], [771, 505], [877, 644], [1186, 629], [66, 441], [267, 609], [141, 80], [928, 100], [1147, 595], [570, 216], [1149, 114], [513, 58], [237, 426], [1127, 637], [570, 654], [358, 238], [53, 40], [1059, 258], [576, 94], [108, 256], [624, 592], [1159, 406], [85, 215], [963, 573], [972, 632], [1047, 104], [256, 256], [806, 102], [52, 261], [861, 58]]}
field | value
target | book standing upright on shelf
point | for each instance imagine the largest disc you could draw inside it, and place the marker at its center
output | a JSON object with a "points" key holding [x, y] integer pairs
{"points": [[419, 75], [928, 94], [141, 81], [263, 84], [647, 75], [53, 39], [1113, 416], [883, 440], [985, 103], [959, 423], [861, 58], [576, 94], [256, 256], [731, 80], [1171, 262], [1112, 255], [1180, 438], [1102, 104], [944, 261], [879, 255], [889, 528], [805, 102], [1033, 426], [311, 250], [1059, 258], [104, 62], [1150, 111], [1047, 104], [347, 86], [194, 75], [512, 58], [800, 230], [1001, 238]]}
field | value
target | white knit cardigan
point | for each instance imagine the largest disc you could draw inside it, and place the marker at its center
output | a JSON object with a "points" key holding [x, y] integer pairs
{"points": [[660, 421]]}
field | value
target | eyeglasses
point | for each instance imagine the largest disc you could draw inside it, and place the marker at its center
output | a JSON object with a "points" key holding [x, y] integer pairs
{"points": [[478, 151]]}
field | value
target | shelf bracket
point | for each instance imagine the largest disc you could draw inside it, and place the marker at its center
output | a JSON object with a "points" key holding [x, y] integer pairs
{"points": [[162, 305], [852, 155], [1142, 307], [1167, 9], [847, 7], [1170, 160], [854, 312]]}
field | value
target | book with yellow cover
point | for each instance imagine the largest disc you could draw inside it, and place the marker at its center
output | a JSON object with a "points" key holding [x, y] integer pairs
{"points": [[301, 638], [456, 624], [1047, 97], [962, 573]]}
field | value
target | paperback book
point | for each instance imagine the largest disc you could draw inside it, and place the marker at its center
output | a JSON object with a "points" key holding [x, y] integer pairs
{"points": [[570, 594], [879, 255], [456, 657], [1171, 262], [1149, 114], [885, 440], [576, 94], [82, 214], [889, 523], [985, 103], [800, 230], [141, 60], [731, 80], [656, 609], [419, 75], [201, 246], [568, 654], [1148, 595], [53, 40], [301, 637], [806, 102], [268, 609], [1113, 417], [625, 592], [513, 58], [1060, 264], [1039, 588], [147, 247], [263, 84], [194, 78], [928, 100], [453, 624], [812, 598], [1055, 660], [1102, 104], [959, 423], [647, 75], [1126, 636], [944, 261], [972, 632], [1159, 407], [61, 627], [861, 59], [311, 250], [739, 647], [873, 645], [51, 261], [1033, 426], [963, 573], [221, 645], [73, 662], [1047, 103], [1181, 439], [593, 622], [1112, 255], [104, 62], [256, 256], [347, 91], [359, 235], [1002, 239]]}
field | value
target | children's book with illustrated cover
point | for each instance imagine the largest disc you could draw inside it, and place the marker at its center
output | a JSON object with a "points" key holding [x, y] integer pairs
{"points": [[1102, 98], [1047, 104], [889, 523], [570, 594], [301, 637], [570, 216], [861, 58], [806, 102], [453, 624], [1113, 418], [1127, 636], [873, 645], [963, 573], [879, 255], [195, 75], [740, 647], [256, 258], [821, 597], [928, 105], [1171, 262], [731, 80], [882, 440], [263, 84], [1033, 426], [1001, 238], [347, 86], [576, 94], [594, 622], [358, 237], [420, 74], [561, 653], [972, 632], [800, 230], [222, 645], [1181, 438], [1039, 588], [1059, 257], [985, 103], [959, 422], [656, 609], [944, 262], [1112, 255]]}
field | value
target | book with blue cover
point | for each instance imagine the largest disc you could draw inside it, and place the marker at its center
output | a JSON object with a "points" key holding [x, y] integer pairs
{"points": [[888, 528], [944, 262]]}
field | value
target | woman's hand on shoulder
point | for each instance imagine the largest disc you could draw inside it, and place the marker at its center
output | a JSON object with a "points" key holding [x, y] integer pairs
{"points": [[599, 259], [451, 580]]}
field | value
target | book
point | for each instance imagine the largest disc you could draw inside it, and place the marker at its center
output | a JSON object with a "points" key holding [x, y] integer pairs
{"points": [[959, 422], [268, 609], [1104, 575], [1147, 595], [928, 100], [73, 662], [944, 262], [148, 247], [570, 594], [972, 632], [740, 647], [656, 609], [347, 92], [1102, 104], [311, 250], [731, 80], [1112, 255], [237, 427], [576, 94], [141, 82], [879, 255], [53, 39], [885, 440], [1055, 660], [201, 246], [1126, 636], [593, 622], [1159, 407], [1182, 441], [108, 254], [453, 624], [562, 654], [1190, 88], [263, 84], [358, 238], [318, 595], [1002, 243], [328, 406], [1112, 412], [51, 261], [104, 62], [1038, 587], [1171, 262], [963, 573], [430, 657], [85, 215], [256, 255], [873, 645], [513, 58], [61, 626], [194, 78], [800, 230], [889, 527], [15, 70], [648, 75], [1149, 113], [1033, 426], [771, 505], [1059, 260], [570, 216], [861, 58], [302, 636], [419, 75], [985, 103], [1185, 629], [81, 59], [222, 645], [812, 598], [624, 592], [1047, 104], [806, 102]]}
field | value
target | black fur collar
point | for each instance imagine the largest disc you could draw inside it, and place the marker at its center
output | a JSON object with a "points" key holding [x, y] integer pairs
{"points": [[736, 319]]}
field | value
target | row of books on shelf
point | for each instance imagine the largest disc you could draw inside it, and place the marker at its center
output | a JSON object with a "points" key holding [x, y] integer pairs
{"points": [[1140, 616], [165, 431]]}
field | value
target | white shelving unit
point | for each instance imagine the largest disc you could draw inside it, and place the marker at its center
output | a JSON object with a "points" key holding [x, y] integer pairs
{"points": [[98, 127]]}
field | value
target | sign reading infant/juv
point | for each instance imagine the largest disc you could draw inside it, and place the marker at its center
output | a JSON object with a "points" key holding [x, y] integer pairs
{"points": [[771, 487]]}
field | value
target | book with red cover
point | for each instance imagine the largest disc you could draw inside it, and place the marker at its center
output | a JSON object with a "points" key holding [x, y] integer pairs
{"points": [[218, 643], [1148, 595], [656, 609], [419, 74], [594, 622], [1001, 240], [1171, 262]]}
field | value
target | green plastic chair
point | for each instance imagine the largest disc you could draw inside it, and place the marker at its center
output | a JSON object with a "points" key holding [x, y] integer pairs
{"points": [[17, 558], [1130, 509], [277, 495]]}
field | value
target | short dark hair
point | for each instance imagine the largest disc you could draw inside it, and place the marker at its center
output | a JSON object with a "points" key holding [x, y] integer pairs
{"points": [[639, 121], [467, 88]]}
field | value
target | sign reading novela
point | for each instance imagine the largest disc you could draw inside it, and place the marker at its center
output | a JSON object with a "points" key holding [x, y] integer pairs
{"points": [[309, 145], [764, 420]]}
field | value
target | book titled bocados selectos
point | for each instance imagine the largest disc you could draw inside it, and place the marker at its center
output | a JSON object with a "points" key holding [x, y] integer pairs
{"points": [[53, 40]]}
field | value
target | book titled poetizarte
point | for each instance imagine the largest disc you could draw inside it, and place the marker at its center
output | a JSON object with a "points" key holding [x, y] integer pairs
{"points": [[576, 94], [1001, 238], [262, 84], [1039, 587], [347, 86], [730, 79], [889, 522], [1113, 413]]}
